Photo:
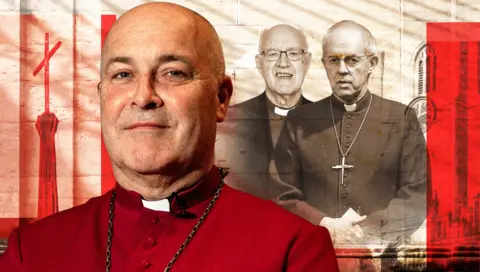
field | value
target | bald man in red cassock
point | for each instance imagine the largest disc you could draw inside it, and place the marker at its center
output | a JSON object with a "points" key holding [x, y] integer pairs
{"points": [[163, 89]]}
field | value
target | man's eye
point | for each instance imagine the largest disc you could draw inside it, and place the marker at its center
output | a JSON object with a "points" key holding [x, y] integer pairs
{"points": [[334, 61], [272, 54], [177, 75], [351, 60], [121, 75]]}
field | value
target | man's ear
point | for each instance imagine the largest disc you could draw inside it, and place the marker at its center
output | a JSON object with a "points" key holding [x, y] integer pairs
{"points": [[308, 59], [225, 91], [258, 64], [373, 63], [99, 85]]}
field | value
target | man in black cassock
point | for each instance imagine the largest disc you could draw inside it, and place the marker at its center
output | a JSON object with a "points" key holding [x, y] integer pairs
{"points": [[353, 162], [252, 129]]}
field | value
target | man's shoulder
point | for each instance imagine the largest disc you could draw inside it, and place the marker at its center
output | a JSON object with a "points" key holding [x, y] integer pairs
{"points": [[66, 221], [309, 110], [248, 108], [58, 234], [306, 101], [267, 214], [389, 104], [394, 112], [264, 223]]}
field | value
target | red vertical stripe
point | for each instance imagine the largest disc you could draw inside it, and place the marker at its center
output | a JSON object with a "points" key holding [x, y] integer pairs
{"points": [[75, 75], [26, 22], [108, 181]]}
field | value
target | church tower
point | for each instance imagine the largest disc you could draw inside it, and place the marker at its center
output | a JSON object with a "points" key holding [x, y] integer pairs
{"points": [[461, 129]]}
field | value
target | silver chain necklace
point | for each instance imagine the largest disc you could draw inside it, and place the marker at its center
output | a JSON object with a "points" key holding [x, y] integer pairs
{"points": [[223, 173], [342, 166], [359, 129]]}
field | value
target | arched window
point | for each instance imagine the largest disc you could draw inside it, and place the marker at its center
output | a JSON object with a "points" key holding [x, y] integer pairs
{"points": [[424, 81], [425, 69]]}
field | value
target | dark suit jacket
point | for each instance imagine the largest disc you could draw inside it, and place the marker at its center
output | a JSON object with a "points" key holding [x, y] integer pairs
{"points": [[387, 183], [249, 151]]}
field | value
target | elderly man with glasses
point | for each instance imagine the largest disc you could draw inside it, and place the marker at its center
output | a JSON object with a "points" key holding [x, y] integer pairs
{"points": [[252, 128], [353, 162]]}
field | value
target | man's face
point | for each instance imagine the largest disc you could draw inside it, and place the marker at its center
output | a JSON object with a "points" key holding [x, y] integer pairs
{"points": [[281, 74], [347, 66], [159, 98]]}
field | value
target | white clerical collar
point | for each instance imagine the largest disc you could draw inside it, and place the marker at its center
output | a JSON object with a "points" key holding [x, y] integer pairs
{"points": [[280, 111], [157, 205], [351, 107]]}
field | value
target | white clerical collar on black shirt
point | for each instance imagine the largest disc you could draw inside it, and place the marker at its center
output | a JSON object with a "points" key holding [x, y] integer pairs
{"points": [[282, 112], [358, 106], [351, 107]]}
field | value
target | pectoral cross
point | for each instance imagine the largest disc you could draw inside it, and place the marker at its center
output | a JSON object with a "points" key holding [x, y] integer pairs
{"points": [[342, 168]]}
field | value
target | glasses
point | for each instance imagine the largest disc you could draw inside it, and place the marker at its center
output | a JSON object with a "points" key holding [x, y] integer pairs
{"points": [[274, 55], [350, 61]]}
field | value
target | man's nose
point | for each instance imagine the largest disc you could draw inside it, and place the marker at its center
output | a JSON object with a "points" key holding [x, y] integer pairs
{"points": [[146, 96], [342, 67], [283, 60]]}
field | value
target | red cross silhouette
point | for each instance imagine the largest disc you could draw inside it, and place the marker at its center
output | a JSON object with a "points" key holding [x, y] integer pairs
{"points": [[45, 62]]}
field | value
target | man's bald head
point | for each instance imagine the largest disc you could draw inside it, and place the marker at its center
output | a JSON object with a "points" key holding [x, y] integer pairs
{"points": [[162, 93], [282, 30], [163, 14], [351, 27]]}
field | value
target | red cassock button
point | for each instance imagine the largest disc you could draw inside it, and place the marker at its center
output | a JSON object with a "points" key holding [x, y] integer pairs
{"points": [[150, 242], [155, 220], [145, 264]]}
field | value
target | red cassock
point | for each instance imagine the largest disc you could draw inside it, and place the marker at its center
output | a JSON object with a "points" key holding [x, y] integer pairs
{"points": [[241, 233]]}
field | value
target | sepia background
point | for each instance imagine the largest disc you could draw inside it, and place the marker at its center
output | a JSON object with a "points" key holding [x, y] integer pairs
{"points": [[398, 25]]}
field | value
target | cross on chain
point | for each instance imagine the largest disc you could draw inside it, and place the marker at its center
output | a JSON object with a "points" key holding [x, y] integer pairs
{"points": [[45, 62], [342, 168]]}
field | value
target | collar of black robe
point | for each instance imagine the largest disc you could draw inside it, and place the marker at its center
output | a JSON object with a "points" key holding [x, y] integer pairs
{"points": [[362, 104], [271, 108], [181, 201]]}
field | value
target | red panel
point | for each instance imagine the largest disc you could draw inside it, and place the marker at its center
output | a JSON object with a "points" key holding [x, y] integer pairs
{"points": [[453, 137], [7, 225], [108, 181]]}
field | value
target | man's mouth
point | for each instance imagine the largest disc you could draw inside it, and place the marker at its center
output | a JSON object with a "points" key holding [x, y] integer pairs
{"points": [[146, 125], [283, 75], [344, 82]]}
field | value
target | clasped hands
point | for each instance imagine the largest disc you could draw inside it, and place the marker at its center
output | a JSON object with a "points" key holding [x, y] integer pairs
{"points": [[344, 230]]}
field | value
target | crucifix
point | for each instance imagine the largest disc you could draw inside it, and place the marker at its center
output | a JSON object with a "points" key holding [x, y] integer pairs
{"points": [[46, 126], [45, 63], [342, 168]]}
